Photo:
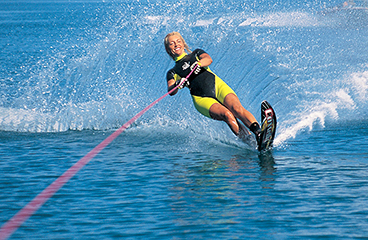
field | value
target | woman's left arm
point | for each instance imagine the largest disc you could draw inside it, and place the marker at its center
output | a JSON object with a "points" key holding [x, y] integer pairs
{"points": [[205, 60]]}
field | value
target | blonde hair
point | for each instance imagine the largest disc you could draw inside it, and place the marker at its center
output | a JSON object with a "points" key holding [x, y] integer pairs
{"points": [[167, 44]]}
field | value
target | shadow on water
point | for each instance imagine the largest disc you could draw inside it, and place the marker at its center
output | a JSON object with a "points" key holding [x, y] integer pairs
{"points": [[267, 164], [209, 191]]}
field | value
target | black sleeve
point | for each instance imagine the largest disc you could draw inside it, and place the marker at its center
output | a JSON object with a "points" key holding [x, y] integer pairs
{"points": [[198, 52], [170, 75]]}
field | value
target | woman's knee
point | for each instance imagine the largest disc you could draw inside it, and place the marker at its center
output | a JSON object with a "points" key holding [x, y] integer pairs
{"points": [[229, 117], [219, 112], [233, 104], [237, 109]]}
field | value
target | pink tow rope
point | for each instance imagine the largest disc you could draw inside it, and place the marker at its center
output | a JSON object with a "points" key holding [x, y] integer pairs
{"points": [[18, 219]]}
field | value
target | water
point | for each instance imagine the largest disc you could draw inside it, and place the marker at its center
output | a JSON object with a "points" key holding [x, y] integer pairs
{"points": [[73, 72]]}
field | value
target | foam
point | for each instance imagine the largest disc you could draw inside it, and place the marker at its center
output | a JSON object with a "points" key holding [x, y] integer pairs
{"points": [[360, 84], [313, 113], [281, 19]]}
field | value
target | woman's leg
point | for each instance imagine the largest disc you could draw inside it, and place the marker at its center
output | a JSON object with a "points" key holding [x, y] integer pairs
{"points": [[220, 112], [228, 98], [211, 108], [233, 104]]}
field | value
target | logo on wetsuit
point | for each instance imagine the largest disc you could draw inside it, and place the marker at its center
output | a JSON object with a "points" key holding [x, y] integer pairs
{"points": [[185, 66], [197, 70]]}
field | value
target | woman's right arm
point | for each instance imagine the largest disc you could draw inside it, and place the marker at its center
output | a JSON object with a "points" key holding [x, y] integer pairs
{"points": [[170, 85]]}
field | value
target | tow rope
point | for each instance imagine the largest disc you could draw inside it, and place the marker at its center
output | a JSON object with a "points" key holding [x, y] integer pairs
{"points": [[18, 219]]}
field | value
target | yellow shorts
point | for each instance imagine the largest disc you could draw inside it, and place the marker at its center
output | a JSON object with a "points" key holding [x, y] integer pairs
{"points": [[203, 104]]}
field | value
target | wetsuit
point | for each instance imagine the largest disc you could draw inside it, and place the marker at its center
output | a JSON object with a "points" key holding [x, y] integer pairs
{"points": [[205, 87]]}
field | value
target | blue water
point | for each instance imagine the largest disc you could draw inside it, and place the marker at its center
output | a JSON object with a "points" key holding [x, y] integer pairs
{"points": [[71, 72]]}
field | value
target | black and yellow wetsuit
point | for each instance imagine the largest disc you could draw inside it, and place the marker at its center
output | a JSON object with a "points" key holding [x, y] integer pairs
{"points": [[205, 87]]}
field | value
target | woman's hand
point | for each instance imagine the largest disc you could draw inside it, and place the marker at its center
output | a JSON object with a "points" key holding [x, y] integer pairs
{"points": [[182, 83]]}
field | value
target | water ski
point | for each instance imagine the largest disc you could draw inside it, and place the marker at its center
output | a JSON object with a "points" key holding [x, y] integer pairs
{"points": [[268, 127]]}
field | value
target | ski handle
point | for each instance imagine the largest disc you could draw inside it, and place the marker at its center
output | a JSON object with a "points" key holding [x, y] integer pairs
{"points": [[176, 87]]}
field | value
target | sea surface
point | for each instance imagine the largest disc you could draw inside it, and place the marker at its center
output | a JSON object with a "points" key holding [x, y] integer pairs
{"points": [[73, 72]]}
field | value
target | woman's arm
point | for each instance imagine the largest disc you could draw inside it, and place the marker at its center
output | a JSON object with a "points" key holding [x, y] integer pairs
{"points": [[204, 60], [170, 85]]}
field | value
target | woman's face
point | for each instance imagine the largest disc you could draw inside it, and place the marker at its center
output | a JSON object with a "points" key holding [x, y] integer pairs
{"points": [[176, 45]]}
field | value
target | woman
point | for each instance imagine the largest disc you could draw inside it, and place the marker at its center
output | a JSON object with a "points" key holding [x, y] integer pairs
{"points": [[211, 96]]}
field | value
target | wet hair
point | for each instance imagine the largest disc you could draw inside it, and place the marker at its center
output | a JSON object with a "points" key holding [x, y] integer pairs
{"points": [[167, 44]]}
